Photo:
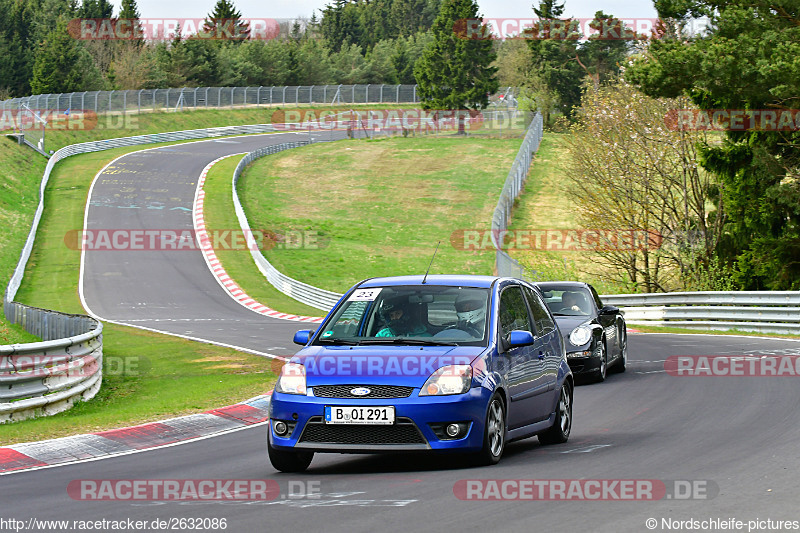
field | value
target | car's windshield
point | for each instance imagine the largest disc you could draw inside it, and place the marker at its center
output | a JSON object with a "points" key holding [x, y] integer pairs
{"points": [[410, 314], [568, 301]]}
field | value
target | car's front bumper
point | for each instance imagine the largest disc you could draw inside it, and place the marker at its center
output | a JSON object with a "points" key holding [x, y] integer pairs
{"points": [[582, 365], [417, 421]]}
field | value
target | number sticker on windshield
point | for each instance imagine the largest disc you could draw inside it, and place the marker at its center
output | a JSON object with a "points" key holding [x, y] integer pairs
{"points": [[364, 295]]}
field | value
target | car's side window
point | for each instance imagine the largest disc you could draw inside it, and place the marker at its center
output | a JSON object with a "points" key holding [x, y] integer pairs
{"points": [[513, 311], [544, 324]]}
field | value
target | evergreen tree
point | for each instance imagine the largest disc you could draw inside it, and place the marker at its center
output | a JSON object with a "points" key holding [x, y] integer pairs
{"points": [[602, 54], [555, 55], [454, 72], [96, 9], [56, 67], [225, 22], [746, 60], [129, 10]]}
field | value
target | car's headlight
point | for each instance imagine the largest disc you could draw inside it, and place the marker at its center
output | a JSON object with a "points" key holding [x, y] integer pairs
{"points": [[292, 379], [450, 379], [580, 335]]}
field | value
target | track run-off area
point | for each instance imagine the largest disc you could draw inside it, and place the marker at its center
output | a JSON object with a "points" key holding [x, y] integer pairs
{"points": [[722, 447]]}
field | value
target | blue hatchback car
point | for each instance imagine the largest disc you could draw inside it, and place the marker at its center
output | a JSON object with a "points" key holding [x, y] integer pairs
{"points": [[413, 363]]}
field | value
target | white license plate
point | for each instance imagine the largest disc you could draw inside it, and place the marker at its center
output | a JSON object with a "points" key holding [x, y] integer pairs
{"points": [[374, 415]]}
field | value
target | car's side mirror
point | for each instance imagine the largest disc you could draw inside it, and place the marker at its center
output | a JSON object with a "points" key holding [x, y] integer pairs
{"points": [[520, 337], [609, 310], [302, 336]]}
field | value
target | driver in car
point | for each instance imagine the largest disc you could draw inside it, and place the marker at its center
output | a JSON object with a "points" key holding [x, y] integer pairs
{"points": [[471, 314], [398, 321], [571, 302]]}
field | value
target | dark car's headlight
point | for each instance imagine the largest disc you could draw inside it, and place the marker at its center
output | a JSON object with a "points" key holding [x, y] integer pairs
{"points": [[580, 335], [292, 379], [450, 379]]}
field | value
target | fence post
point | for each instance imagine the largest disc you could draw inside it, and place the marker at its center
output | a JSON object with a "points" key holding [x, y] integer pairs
{"points": [[366, 95], [310, 94]]}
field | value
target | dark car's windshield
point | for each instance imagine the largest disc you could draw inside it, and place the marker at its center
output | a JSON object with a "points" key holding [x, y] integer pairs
{"points": [[410, 314], [568, 301]]}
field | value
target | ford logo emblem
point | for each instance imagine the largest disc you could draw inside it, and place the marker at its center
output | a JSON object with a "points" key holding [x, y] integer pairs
{"points": [[360, 391]]}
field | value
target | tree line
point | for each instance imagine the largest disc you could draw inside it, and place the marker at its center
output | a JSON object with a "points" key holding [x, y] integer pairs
{"points": [[361, 42]]}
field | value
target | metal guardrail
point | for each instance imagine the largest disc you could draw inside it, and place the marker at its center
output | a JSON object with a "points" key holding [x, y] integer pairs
{"points": [[758, 311], [49, 385], [302, 292], [44, 378], [323, 299], [504, 263], [209, 97]]}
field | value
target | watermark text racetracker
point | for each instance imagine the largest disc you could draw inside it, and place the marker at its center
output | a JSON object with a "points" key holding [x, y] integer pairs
{"points": [[397, 119], [578, 239], [733, 119], [189, 239], [732, 366], [105, 29], [65, 120], [584, 489]]}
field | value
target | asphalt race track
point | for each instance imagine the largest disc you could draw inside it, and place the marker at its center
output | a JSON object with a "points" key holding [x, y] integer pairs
{"points": [[170, 290], [734, 439]]}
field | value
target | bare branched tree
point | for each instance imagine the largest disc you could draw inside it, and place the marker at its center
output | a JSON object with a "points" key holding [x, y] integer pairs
{"points": [[634, 172]]}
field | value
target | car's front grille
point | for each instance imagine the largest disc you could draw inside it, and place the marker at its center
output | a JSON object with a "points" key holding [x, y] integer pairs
{"points": [[375, 391], [403, 431]]}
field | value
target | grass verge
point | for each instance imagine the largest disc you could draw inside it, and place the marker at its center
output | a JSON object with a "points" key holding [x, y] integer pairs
{"points": [[545, 205], [377, 208], [21, 171], [146, 375], [238, 263], [665, 329]]}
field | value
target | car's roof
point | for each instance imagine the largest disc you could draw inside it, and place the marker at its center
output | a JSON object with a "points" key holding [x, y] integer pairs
{"points": [[462, 280], [553, 284]]}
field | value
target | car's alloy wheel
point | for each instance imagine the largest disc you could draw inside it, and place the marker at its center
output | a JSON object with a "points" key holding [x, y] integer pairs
{"points": [[494, 440], [562, 425], [603, 370], [623, 356]]}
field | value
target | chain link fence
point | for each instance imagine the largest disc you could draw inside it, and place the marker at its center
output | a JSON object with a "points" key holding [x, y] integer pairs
{"points": [[129, 101], [505, 264]]}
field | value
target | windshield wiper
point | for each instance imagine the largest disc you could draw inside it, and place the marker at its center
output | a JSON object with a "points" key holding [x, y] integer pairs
{"points": [[339, 341], [408, 340]]}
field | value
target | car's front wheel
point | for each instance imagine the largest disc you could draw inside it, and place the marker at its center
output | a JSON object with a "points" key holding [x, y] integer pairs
{"points": [[289, 461], [602, 370], [494, 434], [559, 432]]}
